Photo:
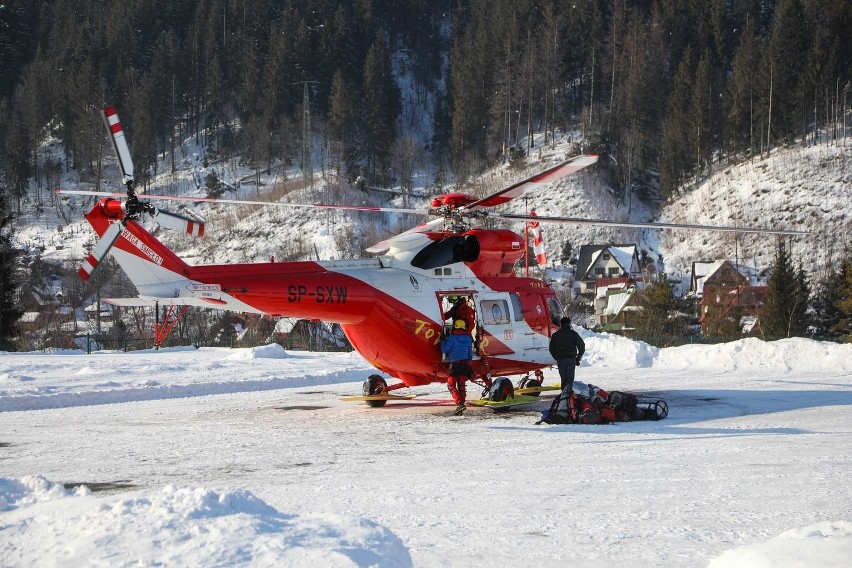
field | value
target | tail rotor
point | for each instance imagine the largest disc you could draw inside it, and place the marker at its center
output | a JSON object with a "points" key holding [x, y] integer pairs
{"points": [[133, 209]]}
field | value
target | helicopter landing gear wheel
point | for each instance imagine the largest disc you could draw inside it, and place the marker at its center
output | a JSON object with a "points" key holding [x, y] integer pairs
{"points": [[375, 385], [501, 389], [527, 383]]}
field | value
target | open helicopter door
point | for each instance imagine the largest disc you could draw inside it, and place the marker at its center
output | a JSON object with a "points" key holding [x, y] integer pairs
{"points": [[495, 314], [451, 309]]}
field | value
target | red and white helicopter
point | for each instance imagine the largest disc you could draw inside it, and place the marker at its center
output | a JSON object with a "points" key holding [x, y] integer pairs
{"points": [[392, 307]]}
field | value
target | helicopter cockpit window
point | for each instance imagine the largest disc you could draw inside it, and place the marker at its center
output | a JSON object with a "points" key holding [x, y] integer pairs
{"points": [[449, 250], [516, 307], [555, 310]]}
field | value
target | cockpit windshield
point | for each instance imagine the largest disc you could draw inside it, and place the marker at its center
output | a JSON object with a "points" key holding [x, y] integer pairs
{"points": [[555, 310]]}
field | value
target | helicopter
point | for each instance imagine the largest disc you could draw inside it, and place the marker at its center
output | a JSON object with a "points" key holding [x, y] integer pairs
{"points": [[391, 307]]}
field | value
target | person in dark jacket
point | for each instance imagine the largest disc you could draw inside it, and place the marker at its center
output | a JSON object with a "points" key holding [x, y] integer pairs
{"points": [[458, 347], [567, 347]]}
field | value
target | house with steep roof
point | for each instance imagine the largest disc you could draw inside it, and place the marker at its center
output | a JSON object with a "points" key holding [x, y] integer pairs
{"points": [[729, 305], [604, 265]]}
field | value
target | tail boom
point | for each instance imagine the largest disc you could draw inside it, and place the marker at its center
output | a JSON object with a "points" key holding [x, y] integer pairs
{"points": [[293, 289]]}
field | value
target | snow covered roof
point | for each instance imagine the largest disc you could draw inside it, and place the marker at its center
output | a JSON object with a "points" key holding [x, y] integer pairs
{"points": [[617, 301], [589, 254], [623, 255], [701, 271]]}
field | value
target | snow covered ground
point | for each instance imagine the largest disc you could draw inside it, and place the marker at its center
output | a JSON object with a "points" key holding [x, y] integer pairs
{"points": [[218, 457]]}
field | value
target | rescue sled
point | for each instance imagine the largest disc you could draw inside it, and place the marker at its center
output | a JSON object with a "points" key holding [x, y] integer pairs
{"points": [[537, 390]]}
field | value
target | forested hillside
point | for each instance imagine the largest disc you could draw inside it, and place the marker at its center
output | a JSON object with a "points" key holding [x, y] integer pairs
{"points": [[660, 88], [682, 100]]}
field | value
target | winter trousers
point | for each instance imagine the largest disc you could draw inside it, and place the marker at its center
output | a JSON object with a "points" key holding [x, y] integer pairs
{"points": [[458, 375], [567, 369]]}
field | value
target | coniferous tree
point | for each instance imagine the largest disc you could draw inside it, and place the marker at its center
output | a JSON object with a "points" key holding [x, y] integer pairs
{"points": [[567, 252], [742, 87], [784, 314], [381, 107], [829, 291], [800, 318], [342, 125], [677, 158], [17, 43], [9, 281], [655, 323], [470, 86], [788, 46], [701, 112]]}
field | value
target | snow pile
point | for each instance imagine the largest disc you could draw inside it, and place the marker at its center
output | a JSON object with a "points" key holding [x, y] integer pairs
{"points": [[755, 354], [271, 351], [825, 545], [615, 351], [176, 526]]}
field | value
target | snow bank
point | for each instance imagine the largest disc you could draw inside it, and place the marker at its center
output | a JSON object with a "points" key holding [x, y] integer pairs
{"points": [[826, 545], [613, 351], [271, 351], [754, 354], [179, 527]]}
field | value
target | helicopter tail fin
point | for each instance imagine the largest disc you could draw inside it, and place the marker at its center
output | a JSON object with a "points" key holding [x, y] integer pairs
{"points": [[152, 267]]}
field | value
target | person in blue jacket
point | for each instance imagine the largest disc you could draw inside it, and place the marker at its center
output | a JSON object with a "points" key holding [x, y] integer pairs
{"points": [[458, 347]]}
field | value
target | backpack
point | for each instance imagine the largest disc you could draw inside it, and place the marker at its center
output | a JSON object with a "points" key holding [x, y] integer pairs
{"points": [[559, 411], [584, 411], [571, 408]]}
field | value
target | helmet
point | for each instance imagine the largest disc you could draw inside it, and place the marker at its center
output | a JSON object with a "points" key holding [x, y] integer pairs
{"points": [[453, 299], [459, 324]]}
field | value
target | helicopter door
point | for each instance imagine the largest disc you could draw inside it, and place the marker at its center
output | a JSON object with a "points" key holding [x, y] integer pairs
{"points": [[495, 319]]}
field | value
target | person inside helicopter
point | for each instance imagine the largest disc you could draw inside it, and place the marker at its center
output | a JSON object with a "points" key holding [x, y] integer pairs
{"points": [[461, 309]]}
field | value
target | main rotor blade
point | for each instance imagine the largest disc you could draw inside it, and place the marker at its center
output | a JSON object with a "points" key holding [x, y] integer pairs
{"points": [[180, 223], [637, 225], [119, 142], [101, 249], [245, 202], [556, 172]]}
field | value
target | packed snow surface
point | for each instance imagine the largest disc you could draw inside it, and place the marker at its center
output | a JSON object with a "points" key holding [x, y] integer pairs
{"points": [[218, 457]]}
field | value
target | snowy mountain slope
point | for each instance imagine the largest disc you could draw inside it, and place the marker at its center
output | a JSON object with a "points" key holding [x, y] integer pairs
{"points": [[794, 188], [799, 188]]}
